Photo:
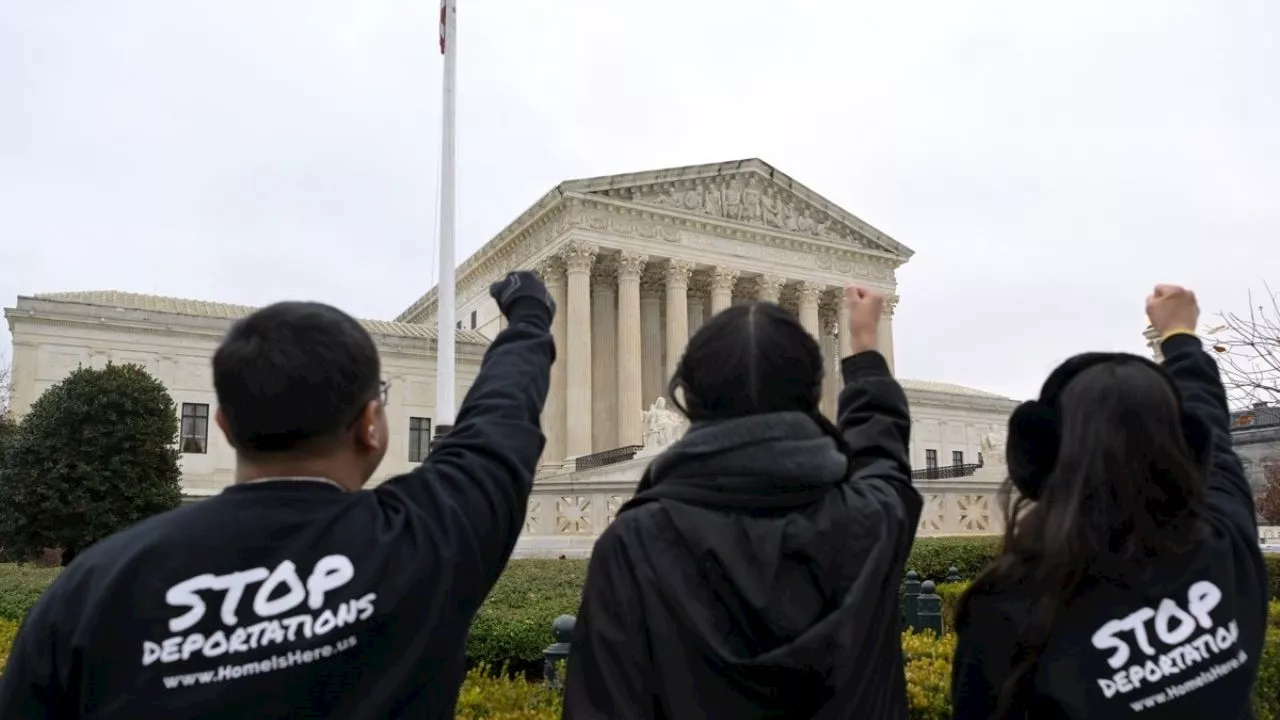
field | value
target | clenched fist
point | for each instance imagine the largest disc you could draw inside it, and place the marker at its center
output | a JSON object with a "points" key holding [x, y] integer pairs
{"points": [[1173, 308], [865, 308]]}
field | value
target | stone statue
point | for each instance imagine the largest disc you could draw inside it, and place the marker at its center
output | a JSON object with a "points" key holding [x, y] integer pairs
{"points": [[992, 448], [662, 425]]}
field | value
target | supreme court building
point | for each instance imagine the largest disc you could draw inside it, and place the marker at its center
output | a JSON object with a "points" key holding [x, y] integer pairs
{"points": [[636, 264]]}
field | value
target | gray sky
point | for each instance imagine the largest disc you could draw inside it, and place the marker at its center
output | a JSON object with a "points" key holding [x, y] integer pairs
{"points": [[1047, 165]]}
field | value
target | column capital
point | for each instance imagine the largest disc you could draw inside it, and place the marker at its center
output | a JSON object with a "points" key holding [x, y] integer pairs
{"points": [[551, 270], [631, 265], [604, 274], [769, 286], [724, 279], [890, 305], [678, 272], [827, 318], [811, 292], [579, 256], [652, 282]]}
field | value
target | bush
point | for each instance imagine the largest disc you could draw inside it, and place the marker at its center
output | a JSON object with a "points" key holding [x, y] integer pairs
{"points": [[932, 558], [486, 695], [513, 626], [20, 587], [96, 454]]}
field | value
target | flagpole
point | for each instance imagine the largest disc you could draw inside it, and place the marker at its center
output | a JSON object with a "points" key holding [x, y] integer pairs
{"points": [[446, 289]]}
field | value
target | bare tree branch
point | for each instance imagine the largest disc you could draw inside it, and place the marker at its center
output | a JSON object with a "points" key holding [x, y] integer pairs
{"points": [[4, 386], [1248, 350]]}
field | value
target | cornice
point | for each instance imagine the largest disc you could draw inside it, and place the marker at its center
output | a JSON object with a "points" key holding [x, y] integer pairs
{"points": [[213, 333]]}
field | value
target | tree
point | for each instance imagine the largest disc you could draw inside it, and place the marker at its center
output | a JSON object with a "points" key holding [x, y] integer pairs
{"points": [[95, 454], [5, 374], [1248, 347], [1269, 496]]}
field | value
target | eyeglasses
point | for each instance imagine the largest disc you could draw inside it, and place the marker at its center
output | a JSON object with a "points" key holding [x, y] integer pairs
{"points": [[384, 392]]}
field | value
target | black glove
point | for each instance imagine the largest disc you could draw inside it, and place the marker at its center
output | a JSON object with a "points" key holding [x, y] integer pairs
{"points": [[520, 290]]}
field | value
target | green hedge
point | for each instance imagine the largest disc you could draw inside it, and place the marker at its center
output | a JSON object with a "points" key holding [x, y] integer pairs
{"points": [[514, 627]]}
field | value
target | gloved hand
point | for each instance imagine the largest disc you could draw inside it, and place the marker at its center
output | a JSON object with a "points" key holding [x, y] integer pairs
{"points": [[519, 291]]}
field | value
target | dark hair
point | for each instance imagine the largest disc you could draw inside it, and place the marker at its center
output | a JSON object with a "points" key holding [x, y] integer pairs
{"points": [[293, 376], [1125, 488], [747, 360]]}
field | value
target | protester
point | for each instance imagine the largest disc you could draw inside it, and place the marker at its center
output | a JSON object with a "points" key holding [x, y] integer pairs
{"points": [[1131, 580], [293, 594], [755, 574]]}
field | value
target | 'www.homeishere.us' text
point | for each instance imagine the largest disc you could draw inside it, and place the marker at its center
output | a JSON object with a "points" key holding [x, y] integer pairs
{"points": [[271, 664]]}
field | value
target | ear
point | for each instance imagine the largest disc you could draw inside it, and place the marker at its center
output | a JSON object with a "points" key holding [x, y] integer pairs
{"points": [[1032, 448], [1199, 438], [221, 420], [369, 433]]}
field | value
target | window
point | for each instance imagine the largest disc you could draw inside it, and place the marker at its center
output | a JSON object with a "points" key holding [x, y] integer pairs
{"points": [[473, 319], [931, 459], [957, 457], [419, 438], [195, 428]]}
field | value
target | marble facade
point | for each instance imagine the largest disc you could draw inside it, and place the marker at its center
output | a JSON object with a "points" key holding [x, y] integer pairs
{"points": [[636, 263]]}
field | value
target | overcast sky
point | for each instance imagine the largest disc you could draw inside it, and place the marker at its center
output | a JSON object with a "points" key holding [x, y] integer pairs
{"points": [[1046, 165]]}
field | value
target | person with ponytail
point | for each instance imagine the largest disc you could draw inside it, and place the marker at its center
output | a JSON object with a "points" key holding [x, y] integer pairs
{"points": [[755, 573], [1131, 583]]}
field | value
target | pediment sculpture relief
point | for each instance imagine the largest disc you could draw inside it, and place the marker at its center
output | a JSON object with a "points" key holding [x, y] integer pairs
{"points": [[752, 200]]}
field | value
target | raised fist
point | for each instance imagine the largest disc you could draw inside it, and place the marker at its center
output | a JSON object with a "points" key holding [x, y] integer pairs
{"points": [[865, 308], [1171, 308], [518, 288]]}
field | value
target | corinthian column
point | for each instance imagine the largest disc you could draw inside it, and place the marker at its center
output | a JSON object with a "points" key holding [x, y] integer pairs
{"points": [[630, 383], [810, 295], [578, 258], [768, 287], [722, 282], [553, 413], [651, 338], [842, 327], [884, 336], [697, 303], [604, 361], [831, 380], [677, 273]]}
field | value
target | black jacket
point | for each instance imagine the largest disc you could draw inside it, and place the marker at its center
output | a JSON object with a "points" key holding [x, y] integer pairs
{"points": [[296, 599], [1182, 641], [753, 576]]}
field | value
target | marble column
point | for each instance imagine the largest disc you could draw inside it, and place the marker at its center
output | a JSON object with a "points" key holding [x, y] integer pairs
{"points": [[553, 413], [722, 282], [651, 336], [604, 361], [884, 337], [578, 259], [842, 327], [768, 288], [677, 277], [697, 303], [810, 294], [630, 383], [831, 380]]}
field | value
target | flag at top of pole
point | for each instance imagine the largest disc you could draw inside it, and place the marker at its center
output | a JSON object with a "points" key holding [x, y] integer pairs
{"points": [[444, 20], [446, 290]]}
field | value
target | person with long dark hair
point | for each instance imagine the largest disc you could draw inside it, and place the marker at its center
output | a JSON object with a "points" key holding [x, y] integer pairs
{"points": [[1131, 580], [755, 573]]}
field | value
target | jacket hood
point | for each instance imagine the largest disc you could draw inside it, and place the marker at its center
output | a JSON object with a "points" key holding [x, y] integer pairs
{"points": [[758, 513]]}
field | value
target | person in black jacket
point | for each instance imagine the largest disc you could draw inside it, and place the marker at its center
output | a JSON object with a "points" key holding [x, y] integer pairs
{"points": [[294, 594], [755, 573], [1131, 581]]}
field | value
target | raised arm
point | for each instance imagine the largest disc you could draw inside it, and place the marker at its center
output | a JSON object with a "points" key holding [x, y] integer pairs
{"points": [[1174, 313], [475, 486], [875, 419]]}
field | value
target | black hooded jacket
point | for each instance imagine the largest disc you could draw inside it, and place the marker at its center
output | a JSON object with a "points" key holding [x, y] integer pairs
{"points": [[294, 599], [1181, 641], [756, 573]]}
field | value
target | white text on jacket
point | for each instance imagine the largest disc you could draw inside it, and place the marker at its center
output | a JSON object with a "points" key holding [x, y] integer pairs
{"points": [[276, 601]]}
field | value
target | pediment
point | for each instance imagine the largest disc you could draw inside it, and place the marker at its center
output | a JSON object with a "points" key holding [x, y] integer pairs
{"points": [[747, 192]]}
